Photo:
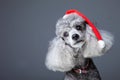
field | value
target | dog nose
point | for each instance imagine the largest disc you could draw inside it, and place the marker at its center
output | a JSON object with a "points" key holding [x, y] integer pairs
{"points": [[75, 36]]}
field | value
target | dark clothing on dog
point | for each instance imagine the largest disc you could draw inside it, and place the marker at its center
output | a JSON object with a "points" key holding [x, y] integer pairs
{"points": [[86, 72]]}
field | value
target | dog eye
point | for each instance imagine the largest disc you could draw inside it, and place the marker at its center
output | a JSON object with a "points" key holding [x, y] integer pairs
{"points": [[65, 34], [78, 27]]}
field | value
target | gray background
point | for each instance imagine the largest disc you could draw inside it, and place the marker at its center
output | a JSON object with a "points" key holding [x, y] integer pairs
{"points": [[26, 27]]}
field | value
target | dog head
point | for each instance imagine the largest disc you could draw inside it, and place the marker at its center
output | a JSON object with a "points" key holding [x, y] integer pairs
{"points": [[72, 30]]}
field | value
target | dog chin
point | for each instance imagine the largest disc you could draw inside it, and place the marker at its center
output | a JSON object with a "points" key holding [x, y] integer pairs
{"points": [[78, 45]]}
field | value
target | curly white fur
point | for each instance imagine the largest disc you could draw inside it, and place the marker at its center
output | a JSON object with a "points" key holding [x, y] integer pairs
{"points": [[92, 49], [60, 57]]}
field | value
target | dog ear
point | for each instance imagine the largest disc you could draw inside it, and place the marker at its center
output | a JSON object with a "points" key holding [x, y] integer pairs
{"points": [[92, 49], [59, 56]]}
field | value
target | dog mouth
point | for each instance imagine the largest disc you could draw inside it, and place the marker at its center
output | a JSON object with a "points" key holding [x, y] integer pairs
{"points": [[79, 41]]}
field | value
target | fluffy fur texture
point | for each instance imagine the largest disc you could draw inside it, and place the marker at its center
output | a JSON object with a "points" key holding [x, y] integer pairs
{"points": [[63, 51]]}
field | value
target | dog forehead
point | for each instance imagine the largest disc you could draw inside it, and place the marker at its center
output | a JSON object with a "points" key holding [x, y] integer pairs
{"points": [[65, 24], [69, 21]]}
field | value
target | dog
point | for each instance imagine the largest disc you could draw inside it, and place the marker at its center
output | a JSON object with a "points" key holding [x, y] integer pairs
{"points": [[75, 44]]}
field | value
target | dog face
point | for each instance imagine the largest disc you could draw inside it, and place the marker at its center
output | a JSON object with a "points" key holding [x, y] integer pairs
{"points": [[72, 30]]}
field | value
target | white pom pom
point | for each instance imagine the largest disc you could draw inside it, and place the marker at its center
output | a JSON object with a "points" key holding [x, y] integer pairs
{"points": [[101, 44]]}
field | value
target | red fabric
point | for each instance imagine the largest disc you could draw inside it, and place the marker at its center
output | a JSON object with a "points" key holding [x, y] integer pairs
{"points": [[88, 21]]}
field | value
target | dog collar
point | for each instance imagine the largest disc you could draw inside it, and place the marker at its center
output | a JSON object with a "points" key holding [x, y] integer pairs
{"points": [[82, 70]]}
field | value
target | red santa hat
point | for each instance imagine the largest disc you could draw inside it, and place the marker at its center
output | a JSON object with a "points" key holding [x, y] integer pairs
{"points": [[101, 43]]}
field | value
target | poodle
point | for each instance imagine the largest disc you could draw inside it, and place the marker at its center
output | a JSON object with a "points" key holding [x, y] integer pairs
{"points": [[75, 44]]}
